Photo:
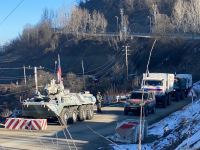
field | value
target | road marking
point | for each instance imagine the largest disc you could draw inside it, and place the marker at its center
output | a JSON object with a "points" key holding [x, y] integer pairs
{"points": [[45, 138]]}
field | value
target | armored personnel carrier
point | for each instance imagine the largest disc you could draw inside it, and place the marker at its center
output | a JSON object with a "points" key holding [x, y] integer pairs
{"points": [[57, 102]]}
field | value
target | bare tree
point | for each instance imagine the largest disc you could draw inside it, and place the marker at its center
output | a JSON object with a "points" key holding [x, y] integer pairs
{"points": [[74, 83], [62, 17], [186, 16], [48, 16], [81, 21], [161, 22]]}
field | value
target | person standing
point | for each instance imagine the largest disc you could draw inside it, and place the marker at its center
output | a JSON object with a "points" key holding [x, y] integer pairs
{"points": [[98, 102]]}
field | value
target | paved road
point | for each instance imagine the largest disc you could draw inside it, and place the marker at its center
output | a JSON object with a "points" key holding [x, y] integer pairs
{"points": [[84, 137]]}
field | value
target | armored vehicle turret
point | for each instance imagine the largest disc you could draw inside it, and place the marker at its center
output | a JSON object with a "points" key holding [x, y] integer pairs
{"points": [[58, 102]]}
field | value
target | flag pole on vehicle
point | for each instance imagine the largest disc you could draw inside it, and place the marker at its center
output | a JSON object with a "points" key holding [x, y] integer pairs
{"points": [[59, 71]]}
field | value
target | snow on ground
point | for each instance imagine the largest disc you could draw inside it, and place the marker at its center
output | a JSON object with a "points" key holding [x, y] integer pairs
{"points": [[193, 141], [180, 130], [131, 147], [196, 87]]}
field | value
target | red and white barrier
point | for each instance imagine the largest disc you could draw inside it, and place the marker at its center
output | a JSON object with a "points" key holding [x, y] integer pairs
{"points": [[29, 124], [39, 124], [127, 131]]}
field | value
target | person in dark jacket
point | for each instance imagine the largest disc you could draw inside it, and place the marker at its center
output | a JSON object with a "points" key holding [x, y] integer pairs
{"points": [[98, 102]]}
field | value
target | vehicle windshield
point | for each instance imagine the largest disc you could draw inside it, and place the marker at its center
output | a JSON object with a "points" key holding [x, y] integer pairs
{"points": [[153, 82], [138, 96]]}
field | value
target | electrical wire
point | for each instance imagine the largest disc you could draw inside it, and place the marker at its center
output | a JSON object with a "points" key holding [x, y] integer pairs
{"points": [[12, 77], [100, 135], [105, 64], [109, 70], [11, 68], [11, 12], [48, 69], [102, 70], [109, 62], [15, 93]]}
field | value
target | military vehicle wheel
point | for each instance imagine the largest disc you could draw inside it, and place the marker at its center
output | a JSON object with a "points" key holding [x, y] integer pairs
{"points": [[82, 113], [73, 115], [65, 115], [90, 112]]}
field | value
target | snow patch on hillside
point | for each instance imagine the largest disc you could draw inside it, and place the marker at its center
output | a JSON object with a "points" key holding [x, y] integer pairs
{"points": [[180, 130]]}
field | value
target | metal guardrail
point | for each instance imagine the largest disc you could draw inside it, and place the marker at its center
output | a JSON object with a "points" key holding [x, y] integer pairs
{"points": [[192, 36]]}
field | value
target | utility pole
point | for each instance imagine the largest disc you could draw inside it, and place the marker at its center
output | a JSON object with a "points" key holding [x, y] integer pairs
{"points": [[55, 67], [126, 59], [24, 75], [82, 64], [122, 24], [150, 24], [36, 81], [122, 18], [117, 23]]}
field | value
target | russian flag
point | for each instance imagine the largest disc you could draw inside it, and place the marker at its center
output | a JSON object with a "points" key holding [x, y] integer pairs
{"points": [[59, 71]]}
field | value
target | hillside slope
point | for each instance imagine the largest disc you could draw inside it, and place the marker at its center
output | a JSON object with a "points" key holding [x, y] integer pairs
{"points": [[178, 56]]}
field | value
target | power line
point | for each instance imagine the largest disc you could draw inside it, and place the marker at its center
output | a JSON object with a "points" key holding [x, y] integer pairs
{"points": [[110, 65], [15, 93], [98, 69], [126, 58], [109, 62], [48, 69], [10, 79], [7, 61], [110, 69], [11, 68], [11, 12], [105, 64]]}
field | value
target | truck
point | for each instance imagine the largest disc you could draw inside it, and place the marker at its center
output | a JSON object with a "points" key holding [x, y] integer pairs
{"points": [[162, 84], [182, 86], [59, 103]]}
